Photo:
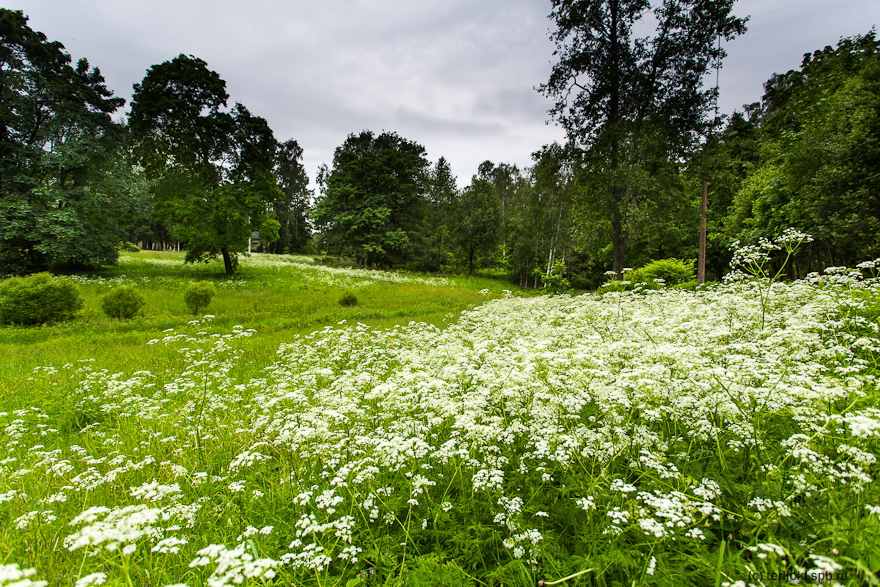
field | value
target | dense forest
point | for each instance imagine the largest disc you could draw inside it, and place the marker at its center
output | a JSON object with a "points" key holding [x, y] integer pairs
{"points": [[185, 169]]}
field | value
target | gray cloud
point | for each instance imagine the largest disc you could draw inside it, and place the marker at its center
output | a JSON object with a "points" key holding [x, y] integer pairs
{"points": [[780, 32], [454, 75]]}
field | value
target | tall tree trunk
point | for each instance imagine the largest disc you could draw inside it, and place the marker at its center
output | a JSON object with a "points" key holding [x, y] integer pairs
{"points": [[227, 262], [618, 238]]}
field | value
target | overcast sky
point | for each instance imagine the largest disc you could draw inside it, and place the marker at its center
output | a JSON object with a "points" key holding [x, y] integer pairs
{"points": [[456, 76]]}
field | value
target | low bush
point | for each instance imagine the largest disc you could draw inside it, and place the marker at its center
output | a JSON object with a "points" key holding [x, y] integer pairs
{"points": [[123, 302], [654, 275], [198, 296], [348, 299], [671, 271], [687, 285], [38, 299], [555, 281]]}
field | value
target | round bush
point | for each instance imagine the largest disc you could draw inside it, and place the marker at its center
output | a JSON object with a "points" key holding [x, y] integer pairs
{"points": [[38, 299], [198, 296], [348, 299], [671, 271], [123, 302]]}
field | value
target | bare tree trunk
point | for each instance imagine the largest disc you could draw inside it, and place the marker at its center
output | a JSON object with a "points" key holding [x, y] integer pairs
{"points": [[227, 262]]}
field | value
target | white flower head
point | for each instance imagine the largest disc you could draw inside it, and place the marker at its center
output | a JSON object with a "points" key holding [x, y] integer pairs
{"points": [[93, 579]]}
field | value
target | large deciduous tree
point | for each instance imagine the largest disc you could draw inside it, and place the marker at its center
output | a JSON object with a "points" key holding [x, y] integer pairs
{"points": [[212, 170], [636, 104], [373, 201], [57, 144]]}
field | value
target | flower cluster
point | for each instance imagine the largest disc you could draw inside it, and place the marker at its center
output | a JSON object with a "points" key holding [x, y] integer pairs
{"points": [[635, 430]]}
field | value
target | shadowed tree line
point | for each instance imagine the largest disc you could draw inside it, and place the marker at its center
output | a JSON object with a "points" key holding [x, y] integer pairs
{"points": [[188, 167]]}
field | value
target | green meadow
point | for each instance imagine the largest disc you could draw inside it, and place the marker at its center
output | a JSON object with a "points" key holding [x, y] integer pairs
{"points": [[278, 296], [443, 432]]}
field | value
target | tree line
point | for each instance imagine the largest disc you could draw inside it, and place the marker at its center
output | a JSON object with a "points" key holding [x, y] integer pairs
{"points": [[643, 135]]}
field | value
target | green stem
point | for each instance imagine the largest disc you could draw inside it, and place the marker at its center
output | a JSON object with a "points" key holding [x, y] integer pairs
{"points": [[563, 580]]}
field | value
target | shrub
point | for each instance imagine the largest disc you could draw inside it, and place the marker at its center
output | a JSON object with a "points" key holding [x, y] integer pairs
{"points": [[198, 296], [123, 302], [348, 299], [687, 285], [671, 271], [128, 247], [554, 281], [38, 299]]}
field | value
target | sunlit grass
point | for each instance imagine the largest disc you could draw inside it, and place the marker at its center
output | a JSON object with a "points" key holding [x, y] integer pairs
{"points": [[280, 297]]}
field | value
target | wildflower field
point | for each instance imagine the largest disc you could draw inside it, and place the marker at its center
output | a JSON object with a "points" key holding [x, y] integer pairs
{"points": [[719, 436]]}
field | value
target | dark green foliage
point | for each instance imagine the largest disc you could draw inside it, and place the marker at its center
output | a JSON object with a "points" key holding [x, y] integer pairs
{"points": [[291, 210], [816, 155], [175, 111], [348, 299], [123, 302], [129, 247], [59, 201], [477, 216], [198, 296], [538, 212], [655, 275], [554, 280], [144, 227], [639, 103], [212, 171], [436, 244], [38, 299], [724, 162], [373, 202]]}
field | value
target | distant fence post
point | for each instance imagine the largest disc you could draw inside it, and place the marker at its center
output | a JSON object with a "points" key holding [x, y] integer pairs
{"points": [[701, 260]]}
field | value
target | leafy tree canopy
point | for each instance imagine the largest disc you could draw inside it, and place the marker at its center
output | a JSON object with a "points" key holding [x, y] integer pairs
{"points": [[434, 246], [57, 143], [818, 151], [477, 220], [292, 209], [374, 198], [212, 169]]}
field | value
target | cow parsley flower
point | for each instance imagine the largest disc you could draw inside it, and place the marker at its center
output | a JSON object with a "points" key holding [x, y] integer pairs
{"points": [[93, 579], [13, 576]]}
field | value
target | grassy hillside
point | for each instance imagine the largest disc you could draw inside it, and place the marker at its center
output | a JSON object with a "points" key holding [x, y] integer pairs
{"points": [[279, 296]]}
